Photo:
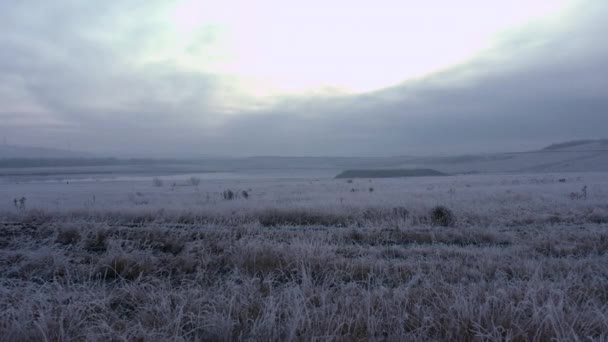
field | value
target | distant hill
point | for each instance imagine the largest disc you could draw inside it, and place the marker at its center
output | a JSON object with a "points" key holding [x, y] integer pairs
{"points": [[579, 145], [27, 152], [571, 156], [389, 173]]}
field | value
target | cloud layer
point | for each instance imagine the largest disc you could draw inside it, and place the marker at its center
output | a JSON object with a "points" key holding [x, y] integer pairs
{"points": [[94, 76]]}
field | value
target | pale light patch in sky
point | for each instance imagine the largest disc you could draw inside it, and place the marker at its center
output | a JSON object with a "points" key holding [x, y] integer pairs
{"points": [[188, 77], [281, 47]]}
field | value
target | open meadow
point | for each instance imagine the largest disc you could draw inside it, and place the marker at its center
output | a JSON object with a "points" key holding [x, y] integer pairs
{"points": [[201, 257]]}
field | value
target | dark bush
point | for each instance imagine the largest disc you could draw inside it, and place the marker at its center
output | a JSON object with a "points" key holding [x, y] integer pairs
{"points": [[401, 213], [98, 243], [229, 195], [126, 267], [272, 218], [442, 216], [69, 236], [373, 214], [169, 245]]}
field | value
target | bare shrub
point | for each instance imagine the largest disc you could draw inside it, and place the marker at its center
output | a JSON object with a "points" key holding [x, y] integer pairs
{"points": [[129, 267], [97, 242], [356, 236], [138, 199], [157, 182], [442, 216], [581, 195], [598, 216], [584, 192], [401, 213], [37, 217], [245, 194], [229, 195], [19, 203], [68, 236], [270, 218], [194, 181], [374, 214], [262, 261], [168, 244]]}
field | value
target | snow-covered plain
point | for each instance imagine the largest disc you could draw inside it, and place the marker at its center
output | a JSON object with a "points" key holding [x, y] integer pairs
{"points": [[502, 196], [304, 257]]}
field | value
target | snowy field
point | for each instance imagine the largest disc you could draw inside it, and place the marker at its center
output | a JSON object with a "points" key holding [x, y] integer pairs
{"points": [[502, 198], [303, 256]]}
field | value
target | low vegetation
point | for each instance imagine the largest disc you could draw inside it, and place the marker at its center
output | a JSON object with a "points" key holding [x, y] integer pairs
{"points": [[194, 181], [158, 182], [384, 273], [482, 258], [442, 216]]}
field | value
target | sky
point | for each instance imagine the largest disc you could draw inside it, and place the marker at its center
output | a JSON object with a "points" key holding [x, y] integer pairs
{"points": [[189, 78]]}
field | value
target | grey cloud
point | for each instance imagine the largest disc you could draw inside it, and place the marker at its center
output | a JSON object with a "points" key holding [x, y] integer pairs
{"points": [[535, 87], [72, 58], [529, 91]]}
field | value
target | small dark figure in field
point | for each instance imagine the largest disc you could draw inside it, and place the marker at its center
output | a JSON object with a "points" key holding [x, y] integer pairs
{"points": [[371, 189], [19, 203], [245, 194], [157, 182], [562, 180], [228, 195], [579, 195], [584, 192], [349, 181]]}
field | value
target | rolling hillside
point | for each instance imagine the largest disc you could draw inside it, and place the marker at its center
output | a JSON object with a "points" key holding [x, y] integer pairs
{"points": [[576, 156]]}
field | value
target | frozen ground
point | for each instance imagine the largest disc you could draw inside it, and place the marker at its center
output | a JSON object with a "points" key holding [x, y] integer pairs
{"points": [[305, 257], [501, 197]]}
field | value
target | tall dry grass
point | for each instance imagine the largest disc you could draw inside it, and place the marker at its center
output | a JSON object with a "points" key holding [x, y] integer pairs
{"points": [[279, 274]]}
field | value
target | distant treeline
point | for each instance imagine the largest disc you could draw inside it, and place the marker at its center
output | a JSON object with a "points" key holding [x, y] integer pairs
{"points": [[389, 173], [70, 162]]}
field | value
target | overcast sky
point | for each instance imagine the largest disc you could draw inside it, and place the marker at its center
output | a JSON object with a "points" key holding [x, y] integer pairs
{"points": [[269, 77]]}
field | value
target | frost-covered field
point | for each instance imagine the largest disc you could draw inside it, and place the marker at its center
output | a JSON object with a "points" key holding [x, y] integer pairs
{"points": [[531, 195], [305, 258]]}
